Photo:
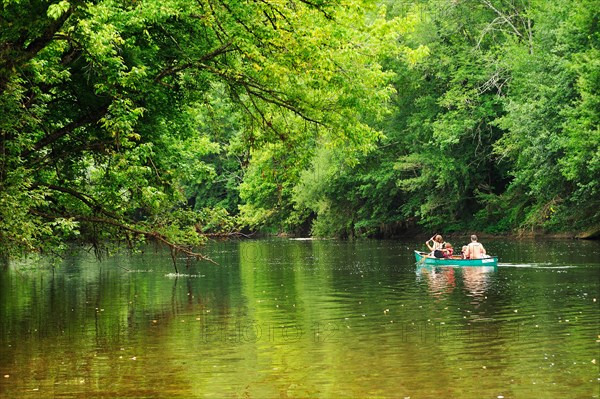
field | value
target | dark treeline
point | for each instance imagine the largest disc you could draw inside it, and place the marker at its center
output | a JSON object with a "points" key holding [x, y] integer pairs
{"points": [[123, 121]]}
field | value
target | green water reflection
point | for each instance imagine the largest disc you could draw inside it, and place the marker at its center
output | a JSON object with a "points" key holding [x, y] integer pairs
{"points": [[305, 319]]}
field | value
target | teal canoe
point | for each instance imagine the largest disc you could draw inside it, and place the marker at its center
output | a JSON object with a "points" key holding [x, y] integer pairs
{"points": [[423, 258]]}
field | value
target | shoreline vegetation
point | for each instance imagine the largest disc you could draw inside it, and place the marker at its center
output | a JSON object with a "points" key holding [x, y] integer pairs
{"points": [[180, 121], [420, 234]]}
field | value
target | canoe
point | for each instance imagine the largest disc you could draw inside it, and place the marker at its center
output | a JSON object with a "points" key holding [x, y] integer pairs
{"points": [[423, 258]]}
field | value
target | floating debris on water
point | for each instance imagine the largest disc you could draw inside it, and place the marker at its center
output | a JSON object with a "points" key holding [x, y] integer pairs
{"points": [[176, 275]]}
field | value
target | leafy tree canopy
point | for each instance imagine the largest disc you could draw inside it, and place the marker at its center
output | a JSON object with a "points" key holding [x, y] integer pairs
{"points": [[106, 106]]}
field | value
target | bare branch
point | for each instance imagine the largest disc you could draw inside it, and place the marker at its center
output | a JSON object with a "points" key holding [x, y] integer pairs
{"points": [[502, 16]]}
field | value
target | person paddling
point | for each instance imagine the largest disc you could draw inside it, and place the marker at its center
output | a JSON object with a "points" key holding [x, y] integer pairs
{"points": [[437, 246], [475, 249]]}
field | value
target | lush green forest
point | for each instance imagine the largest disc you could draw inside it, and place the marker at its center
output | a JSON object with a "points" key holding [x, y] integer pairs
{"points": [[174, 120]]}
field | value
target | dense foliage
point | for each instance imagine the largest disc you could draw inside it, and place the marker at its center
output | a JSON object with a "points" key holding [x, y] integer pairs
{"points": [[128, 120], [495, 129], [119, 115]]}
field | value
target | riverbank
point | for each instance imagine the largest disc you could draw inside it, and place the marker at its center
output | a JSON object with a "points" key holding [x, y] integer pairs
{"points": [[454, 236]]}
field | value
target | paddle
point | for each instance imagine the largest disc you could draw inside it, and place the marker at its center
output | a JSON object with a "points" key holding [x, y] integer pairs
{"points": [[432, 240], [422, 260], [423, 257]]}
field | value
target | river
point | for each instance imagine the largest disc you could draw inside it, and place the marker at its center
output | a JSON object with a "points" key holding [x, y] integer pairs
{"points": [[305, 319]]}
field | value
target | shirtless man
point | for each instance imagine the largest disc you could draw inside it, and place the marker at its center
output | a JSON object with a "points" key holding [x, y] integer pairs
{"points": [[475, 250]]}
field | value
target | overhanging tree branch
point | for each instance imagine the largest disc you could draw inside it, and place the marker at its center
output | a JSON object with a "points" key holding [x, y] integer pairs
{"points": [[208, 56], [152, 234], [20, 57], [268, 95], [66, 130]]}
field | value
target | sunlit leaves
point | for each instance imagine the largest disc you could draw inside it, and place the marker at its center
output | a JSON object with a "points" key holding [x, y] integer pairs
{"points": [[114, 118], [58, 9], [552, 120]]}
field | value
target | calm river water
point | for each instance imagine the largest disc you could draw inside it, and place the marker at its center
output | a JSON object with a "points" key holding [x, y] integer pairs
{"points": [[305, 319]]}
